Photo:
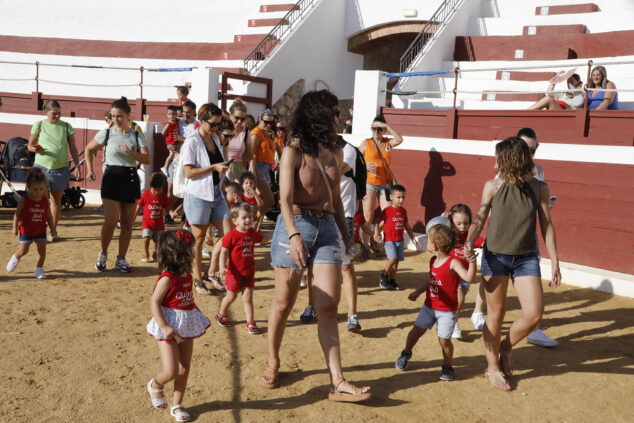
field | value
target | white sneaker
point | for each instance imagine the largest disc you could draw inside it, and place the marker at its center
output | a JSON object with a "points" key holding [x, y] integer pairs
{"points": [[537, 337], [12, 264], [122, 265], [302, 284], [101, 262], [478, 320], [39, 273], [457, 333]]}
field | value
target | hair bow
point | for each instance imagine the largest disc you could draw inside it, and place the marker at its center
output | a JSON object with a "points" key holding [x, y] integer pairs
{"points": [[184, 236]]}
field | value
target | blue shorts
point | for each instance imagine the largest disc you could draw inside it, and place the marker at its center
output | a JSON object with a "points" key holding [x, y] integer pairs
{"points": [[203, 212], [379, 189], [320, 234], [28, 239], [57, 178], [395, 250], [494, 264], [465, 285], [263, 170], [445, 321]]}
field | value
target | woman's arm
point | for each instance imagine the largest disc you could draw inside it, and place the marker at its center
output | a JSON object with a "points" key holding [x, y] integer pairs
{"points": [[480, 218], [291, 159], [250, 153], [192, 172], [340, 215], [72, 147], [362, 146], [90, 149], [548, 232], [142, 156], [398, 139], [608, 96], [161, 289]]}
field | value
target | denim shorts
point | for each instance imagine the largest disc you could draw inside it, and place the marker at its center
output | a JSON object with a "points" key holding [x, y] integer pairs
{"points": [[320, 235], [151, 233], [57, 178], [494, 264], [395, 249], [28, 239], [263, 170], [203, 212], [379, 189], [464, 284], [445, 321]]}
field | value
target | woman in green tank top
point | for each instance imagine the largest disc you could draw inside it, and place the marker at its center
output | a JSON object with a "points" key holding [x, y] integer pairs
{"points": [[514, 200]]}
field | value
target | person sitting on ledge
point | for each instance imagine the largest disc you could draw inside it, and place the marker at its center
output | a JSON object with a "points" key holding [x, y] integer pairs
{"points": [[562, 101], [602, 100]]}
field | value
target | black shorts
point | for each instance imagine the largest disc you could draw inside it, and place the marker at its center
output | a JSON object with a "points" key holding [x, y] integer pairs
{"points": [[121, 183]]}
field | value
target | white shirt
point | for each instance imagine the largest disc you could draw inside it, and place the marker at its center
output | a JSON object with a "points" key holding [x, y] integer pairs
{"points": [[194, 153], [347, 185], [187, 129]]}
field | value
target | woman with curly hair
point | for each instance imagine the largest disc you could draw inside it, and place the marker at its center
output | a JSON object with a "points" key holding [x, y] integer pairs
{"points": [[306, 236], [514, 199]]}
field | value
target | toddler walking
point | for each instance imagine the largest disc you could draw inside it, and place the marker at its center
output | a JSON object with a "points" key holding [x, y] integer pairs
{"points": [[153, 201], [176, 320], [30, 219]]}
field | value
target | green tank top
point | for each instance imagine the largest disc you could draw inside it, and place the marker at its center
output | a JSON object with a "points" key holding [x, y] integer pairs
{"points": [[513, 221]]}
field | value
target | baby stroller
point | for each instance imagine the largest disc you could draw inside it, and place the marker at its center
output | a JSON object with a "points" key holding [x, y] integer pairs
{"points": [[15, 161], [74, 196]]}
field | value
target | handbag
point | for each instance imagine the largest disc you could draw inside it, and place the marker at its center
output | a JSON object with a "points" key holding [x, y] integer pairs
{"points": [[179, 181]]}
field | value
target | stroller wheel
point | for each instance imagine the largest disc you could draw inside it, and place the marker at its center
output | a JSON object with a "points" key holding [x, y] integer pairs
{"points": [[80, 201]]}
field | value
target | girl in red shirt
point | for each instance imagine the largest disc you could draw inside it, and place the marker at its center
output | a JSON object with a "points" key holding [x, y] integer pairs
{"points": [[32, 215], [176, 320]]}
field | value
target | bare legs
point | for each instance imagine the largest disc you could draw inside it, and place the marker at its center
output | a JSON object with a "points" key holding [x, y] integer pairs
{"points": [[546, 102], [56, 205], [350, 287], [199, 232], [115, 211], [176, 360]]}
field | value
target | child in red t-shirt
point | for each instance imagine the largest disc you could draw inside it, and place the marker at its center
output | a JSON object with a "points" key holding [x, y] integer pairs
{"points": [[393, 221], [32, 216], [238, 244], [153, 201], [233, 193], [170, 133], [250, 195], [441, 302]]}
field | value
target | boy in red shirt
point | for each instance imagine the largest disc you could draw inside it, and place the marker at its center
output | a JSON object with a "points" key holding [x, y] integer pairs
{"points": [[170, 133], [393, 221], [240, 271], [153, 201], [233, 193], [445, 273], [250, 195]]}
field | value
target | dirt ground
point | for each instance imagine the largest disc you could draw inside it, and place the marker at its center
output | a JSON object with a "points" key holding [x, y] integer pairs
{"points": [[74, 348]]}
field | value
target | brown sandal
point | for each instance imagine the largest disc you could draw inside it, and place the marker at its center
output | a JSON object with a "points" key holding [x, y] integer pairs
{"points": [[271, 373], [201, 288], [357, 396]]}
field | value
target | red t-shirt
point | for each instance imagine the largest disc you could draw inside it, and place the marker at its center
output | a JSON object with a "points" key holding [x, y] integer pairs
{"points": [[250, 201], [240, 246], [180, 294], [153, 206], [33, 216], [458, 249], [171, 133], [359, 220], [442, 291], [395, 219]]}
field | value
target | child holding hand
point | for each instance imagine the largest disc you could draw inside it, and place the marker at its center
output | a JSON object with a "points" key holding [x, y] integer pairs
{"points": [[445, 273], [170, 133]]}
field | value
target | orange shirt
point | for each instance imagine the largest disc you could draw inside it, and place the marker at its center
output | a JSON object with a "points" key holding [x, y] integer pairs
{"points": [[280, 141], [264, 150], [371, 155]]}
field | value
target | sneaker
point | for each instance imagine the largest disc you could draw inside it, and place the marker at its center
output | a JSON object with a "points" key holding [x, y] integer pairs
{"points": [[537, 337], [39, 273], [308, 316], [122, 265], [457, 333], [101, 262], [145, 259], [384, 282], [393, 286], [353, 324], [119, 225], [403, 360], [447, 372], [303, 283], [12, 264], [478, 320]]}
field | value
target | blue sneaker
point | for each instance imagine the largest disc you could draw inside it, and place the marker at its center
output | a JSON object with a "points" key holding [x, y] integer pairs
{"points": [[384, 281], [101, 262], [403, 360], [308, 316], [353, 324]]}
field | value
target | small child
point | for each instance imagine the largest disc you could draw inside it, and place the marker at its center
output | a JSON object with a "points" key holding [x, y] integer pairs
{"points": [[441, 302], [153, 201], [393, 220], [240, 271], [170, 133], [176, 320], [233, 193], [250, 195], [460, 218], [32, 215], [181, 93]]}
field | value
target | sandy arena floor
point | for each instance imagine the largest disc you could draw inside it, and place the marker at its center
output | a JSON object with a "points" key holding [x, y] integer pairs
{"points": [[74, 348]]}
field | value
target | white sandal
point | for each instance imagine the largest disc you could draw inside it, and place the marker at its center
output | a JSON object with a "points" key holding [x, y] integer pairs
{"points": [[157, 403], [180, 416]]}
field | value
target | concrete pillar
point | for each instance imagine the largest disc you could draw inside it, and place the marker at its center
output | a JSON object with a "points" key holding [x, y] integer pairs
{"points": [[204, 86], [369, 97]]}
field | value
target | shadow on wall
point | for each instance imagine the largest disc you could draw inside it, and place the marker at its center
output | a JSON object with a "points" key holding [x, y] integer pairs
{"points": [[432, 195]]}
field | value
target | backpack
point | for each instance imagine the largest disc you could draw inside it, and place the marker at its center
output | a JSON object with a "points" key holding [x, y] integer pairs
{"points": [[133, 127], [360, 175], [15, 153]]}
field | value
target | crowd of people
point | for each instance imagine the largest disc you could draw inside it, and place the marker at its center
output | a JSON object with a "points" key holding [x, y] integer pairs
{"points": [[229, 172]]}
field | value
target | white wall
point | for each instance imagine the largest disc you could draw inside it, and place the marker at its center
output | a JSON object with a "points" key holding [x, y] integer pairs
{"points": [[509, 8], [363, 14]]}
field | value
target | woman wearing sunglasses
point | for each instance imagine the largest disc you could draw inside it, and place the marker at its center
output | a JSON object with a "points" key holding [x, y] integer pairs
{"points": [[238, 146]]}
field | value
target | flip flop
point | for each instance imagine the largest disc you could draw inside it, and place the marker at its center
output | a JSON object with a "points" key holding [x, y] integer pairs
{"points": [[201, 288], [338, 396], [271, 373]]}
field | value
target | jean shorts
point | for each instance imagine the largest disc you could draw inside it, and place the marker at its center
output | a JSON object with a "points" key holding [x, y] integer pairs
{"points": [[320, 235], [445, 321], [263, 170], [465, 285], [57, 178], [203, 212], [28, 239], [379, 189], [151, 233], [494, 264], [395, 250]]}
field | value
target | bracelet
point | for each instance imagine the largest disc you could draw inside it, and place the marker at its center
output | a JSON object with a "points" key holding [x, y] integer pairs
{"points": [[291, 236]]}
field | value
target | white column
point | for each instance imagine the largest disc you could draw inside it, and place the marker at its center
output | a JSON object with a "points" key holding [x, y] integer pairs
{"points": [[204, 86], [369, 97]]}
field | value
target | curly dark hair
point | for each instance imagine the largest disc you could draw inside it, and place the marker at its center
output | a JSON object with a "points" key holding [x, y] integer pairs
{"points": [[514, 160], [459, 208], [175, 252], [314, 122], [35, 175]]}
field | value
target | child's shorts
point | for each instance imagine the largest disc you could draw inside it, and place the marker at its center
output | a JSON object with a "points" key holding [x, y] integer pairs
{"points": [[151, 233], [445, 321], [395, 250], [236, 284], [465, 285], [27, 239]]}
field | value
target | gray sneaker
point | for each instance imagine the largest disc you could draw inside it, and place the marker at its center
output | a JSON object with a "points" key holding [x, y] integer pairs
{"points": [[122, 265], [353, 324], [403, 360], [308, 316], [447, 372]]}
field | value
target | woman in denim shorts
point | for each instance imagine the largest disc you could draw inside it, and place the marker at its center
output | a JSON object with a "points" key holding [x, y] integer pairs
{"points": [[307, 234], [514, 201]]}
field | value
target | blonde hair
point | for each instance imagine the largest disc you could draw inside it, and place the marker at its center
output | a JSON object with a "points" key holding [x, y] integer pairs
{"points": [[514, 160], [443, 236], [235, 209], [238, 104]]}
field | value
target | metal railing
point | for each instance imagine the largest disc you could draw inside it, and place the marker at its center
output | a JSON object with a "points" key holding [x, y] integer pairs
{"points": [[274, 38], [428, 32]]}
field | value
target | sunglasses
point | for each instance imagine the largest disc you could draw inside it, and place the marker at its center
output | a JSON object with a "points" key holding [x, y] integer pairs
{"points": [[242, 119], [213, 124], [281, 128], [268, 122], [227, 134], [377, 129]]}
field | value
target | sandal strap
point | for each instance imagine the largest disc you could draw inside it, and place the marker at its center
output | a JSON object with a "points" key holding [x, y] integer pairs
{"points": [[153, 390]]}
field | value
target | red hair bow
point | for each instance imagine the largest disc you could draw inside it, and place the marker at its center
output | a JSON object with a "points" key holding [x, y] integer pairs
{"points": [[184, 236]]}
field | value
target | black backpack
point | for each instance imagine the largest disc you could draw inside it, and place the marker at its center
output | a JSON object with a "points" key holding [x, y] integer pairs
{"points": [[15, 153], [360, 175]]}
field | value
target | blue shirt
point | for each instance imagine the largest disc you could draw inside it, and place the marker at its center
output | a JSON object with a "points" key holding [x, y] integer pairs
{"points": [[594, 101]]}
